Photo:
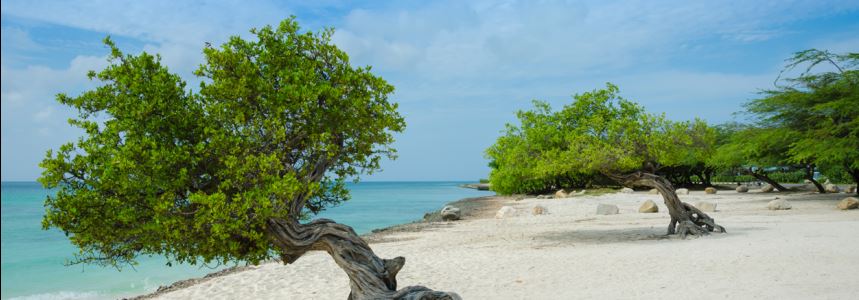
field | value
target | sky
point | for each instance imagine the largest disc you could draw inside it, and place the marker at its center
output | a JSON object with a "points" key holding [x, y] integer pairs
{"points": [[461, 68]]}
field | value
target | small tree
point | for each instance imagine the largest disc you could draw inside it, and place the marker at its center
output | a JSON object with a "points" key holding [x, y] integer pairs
{"points": [[226, 175], [816, 113], [751, 150], [601, 133]]}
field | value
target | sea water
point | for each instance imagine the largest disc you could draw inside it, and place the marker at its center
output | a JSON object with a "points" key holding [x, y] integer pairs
{"points": [[33, 259]]}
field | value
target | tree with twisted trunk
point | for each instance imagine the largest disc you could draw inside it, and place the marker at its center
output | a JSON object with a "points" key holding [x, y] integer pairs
{"points": [[604, 134], [231, 172]]}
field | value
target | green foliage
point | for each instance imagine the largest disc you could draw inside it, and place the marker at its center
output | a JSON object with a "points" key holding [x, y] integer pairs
{"points": [[278, 125], [815, 114], [598, 134]]}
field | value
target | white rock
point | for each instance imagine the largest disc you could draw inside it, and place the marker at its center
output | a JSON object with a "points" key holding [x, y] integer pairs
{"points": [[848, 203], [561, 194], [706, 206], [450, 213], [539, 210], [505, 212], [682, 191], [627, 190], [831, 188], [767, 188], [653, 192], [742, 189], [778, 204], [607, 209]]}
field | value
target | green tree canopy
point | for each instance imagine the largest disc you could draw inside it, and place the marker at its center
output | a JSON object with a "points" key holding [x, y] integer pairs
{"points": [[815, 113], [280, 122]]}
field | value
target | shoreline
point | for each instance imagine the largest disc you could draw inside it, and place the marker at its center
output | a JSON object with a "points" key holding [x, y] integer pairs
{"points": [[471, 208]]}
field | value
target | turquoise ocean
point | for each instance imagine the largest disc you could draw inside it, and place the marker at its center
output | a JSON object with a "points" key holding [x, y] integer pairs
{"points": [[33, 259]]}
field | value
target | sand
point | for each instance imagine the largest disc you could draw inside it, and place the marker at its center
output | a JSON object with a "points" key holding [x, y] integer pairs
{"points": [[810, 251]]}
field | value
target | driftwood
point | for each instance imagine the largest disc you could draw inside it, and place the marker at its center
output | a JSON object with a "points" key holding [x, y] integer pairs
{"points": [[685, 218], [370, 277]]}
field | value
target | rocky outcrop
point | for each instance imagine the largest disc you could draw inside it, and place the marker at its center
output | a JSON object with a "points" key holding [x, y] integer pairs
{"points": [[607, 209], [505, 212], [450, 213], [848, 203], [539, 210], [648, 207], [778, 204]]}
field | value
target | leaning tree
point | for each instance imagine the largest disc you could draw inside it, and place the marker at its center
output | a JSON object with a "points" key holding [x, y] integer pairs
{"points": [[230, 173], [605, 134]]}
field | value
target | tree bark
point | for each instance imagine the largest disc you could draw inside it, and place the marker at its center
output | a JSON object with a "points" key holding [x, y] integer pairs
{"points": [[765, 178], [809, 175], [685, 218], [370, 277]]}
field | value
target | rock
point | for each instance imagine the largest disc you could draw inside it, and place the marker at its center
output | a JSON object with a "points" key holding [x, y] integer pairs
{"points": [[607, 209], [831, 188], [539, 210], [710, 190], [848, 203], [653, 192], [742, 189], [505, 212], [706, 206], [778, 204], [682, 191], [582, 192], [767, 188], [627, 190], [648, 207], [850, 190], [450, 213], [561, 194]]}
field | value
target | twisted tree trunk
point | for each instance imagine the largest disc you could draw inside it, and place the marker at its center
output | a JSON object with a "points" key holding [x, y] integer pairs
{"points": [[809, 175], [764, 178], [370, 277], [685, 218]]}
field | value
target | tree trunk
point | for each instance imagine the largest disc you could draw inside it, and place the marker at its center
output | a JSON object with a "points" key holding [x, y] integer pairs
{"points": [[685, 218], [370, 277], [765, 178], [809, 175], [855, 174]]}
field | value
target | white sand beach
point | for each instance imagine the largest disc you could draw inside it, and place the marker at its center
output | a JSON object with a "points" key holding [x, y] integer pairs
{"points": [[808, 252]]}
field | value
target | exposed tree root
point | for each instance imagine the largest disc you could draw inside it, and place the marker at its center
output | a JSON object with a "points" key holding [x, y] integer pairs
{"points": [[685, 218], [370, 277]]}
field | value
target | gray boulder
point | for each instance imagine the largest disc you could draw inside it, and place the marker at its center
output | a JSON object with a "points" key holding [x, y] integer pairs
{"points": [[607, 209], [767, 188], [682, 191], [653, 192], [831, 188], [627, 190], [710, 190], [742, 189], [450, 213], [648, 207], [778, 204]]}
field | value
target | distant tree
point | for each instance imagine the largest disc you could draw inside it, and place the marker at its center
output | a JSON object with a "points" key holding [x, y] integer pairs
{"points": [[602, 133], [227, 174], [751, 151], [816, 114]]}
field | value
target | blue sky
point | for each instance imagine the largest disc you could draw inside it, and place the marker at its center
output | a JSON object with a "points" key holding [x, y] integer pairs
{"points": [[461, 68]]}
